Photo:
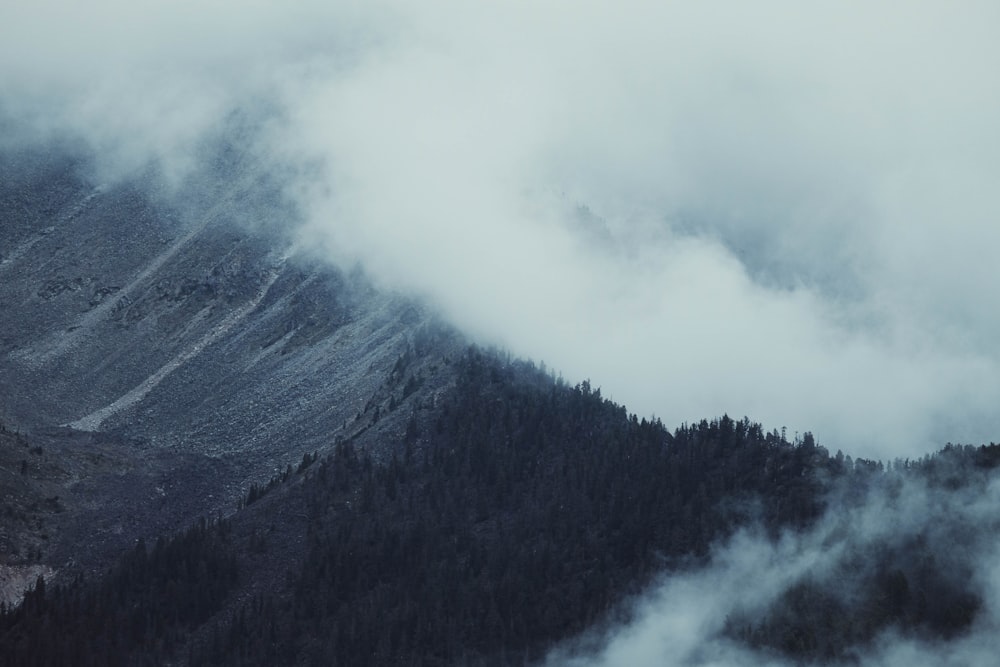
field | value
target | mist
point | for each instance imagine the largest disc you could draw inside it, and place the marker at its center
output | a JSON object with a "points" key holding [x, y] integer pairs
{"points": [[778, 211], [684, 619]]}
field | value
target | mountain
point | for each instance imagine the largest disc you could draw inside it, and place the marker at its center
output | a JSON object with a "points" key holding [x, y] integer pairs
{"points": [[217, 449], [183, 345], [183, 327]]}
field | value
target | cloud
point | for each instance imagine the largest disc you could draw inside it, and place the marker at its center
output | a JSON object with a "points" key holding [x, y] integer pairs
{"points": [[682, 620], [773, 210]]}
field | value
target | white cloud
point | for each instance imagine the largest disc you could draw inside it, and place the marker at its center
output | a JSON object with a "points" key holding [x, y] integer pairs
{"points": [[681, 621], [792, 205]]}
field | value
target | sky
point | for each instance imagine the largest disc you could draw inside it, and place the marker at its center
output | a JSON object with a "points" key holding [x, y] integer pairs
{"points": [[781, 210]]}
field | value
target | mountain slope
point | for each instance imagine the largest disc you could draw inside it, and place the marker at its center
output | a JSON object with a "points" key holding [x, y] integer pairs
{"points": [[123, 312], [178, 335]]}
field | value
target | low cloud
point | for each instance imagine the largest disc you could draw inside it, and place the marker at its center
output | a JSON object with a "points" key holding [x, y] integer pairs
{"points": [[779, 211], [683, 620]]}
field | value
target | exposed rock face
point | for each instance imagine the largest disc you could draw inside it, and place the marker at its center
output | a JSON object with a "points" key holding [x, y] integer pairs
{"points": [[179, 329], [15, 580], [179, 326]]}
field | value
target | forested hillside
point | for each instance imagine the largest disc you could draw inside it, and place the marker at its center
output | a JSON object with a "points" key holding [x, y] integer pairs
{"points": [[518, 513]]}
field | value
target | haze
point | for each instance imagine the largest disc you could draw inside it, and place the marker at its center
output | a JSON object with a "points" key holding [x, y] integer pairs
{"points": [[784, 211]]}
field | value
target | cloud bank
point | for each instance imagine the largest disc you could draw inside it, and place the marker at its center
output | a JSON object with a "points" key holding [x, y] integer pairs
{"points": [[775, 210]]}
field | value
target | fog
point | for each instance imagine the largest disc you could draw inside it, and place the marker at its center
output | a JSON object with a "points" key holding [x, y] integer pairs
{"points": [[778, 210], [681, 621]]}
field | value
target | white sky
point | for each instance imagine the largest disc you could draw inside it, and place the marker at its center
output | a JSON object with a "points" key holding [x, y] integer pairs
{"points": [[786, 210]]}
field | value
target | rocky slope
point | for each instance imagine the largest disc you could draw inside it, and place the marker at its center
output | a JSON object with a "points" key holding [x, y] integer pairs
{"points": [[175, 334]]}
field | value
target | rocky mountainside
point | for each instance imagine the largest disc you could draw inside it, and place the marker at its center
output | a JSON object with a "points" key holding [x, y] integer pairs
{"points": [[176, 335]]}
